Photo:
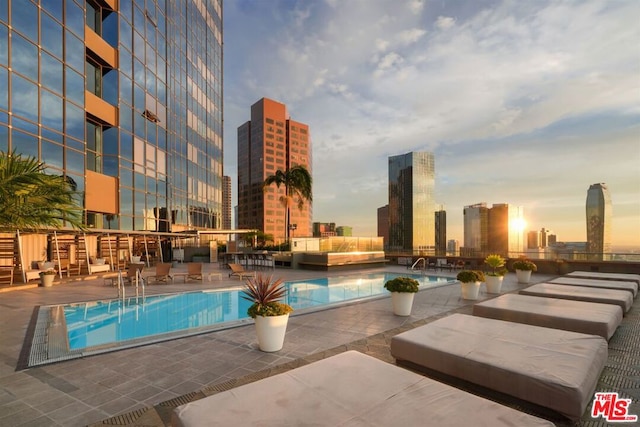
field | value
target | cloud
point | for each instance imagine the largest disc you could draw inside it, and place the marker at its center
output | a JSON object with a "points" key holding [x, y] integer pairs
{"points": [[445, 22]]}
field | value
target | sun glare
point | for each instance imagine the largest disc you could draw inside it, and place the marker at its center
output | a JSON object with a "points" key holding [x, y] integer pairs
{"points": [[518, 224]]}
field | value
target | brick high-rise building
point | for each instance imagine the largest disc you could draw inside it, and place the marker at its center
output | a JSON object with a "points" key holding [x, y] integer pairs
{"points": [[269, 142]]}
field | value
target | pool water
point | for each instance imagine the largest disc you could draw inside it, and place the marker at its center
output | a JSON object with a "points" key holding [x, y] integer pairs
{"points": [[114, 322]]}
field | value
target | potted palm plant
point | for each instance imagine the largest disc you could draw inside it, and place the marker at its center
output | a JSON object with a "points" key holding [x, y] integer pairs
{"points": [[402, 291], [271, 316], [524, 268], [470, 281], [496, 275]]}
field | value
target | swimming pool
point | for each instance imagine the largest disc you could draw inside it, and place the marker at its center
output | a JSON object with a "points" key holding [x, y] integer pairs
{"points": [[100, 326]]}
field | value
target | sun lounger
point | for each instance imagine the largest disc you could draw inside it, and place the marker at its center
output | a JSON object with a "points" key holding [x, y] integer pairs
{"points": [[239, 271], [348, 389], [623, 299], [625, 277], [551, 368], [577, 316], [598, 283]]}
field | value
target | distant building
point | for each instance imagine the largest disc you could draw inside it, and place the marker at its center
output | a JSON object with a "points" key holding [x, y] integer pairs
{"points": [[599, 218], [441, 232], [269, 142], [344, 230], [453, 246], [411, 203], [476, 229], [533, 239], [324, 229], [551, 239], [226, 202], [493, 230], [544, 237], [383, 224]]}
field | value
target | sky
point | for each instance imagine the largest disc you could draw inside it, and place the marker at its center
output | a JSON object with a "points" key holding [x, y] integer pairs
{"points": [[521, 102]]}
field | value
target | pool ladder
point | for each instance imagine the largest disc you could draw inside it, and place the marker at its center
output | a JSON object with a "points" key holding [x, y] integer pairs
{"points": [[139, 283], [424, 263]]}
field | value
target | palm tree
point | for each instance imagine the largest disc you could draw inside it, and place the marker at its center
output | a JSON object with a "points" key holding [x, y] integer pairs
{"points": [[297, 183], [32, 200]]}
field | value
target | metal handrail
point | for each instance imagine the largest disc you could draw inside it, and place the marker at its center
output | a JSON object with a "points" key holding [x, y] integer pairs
{"points": [[416, 263]]}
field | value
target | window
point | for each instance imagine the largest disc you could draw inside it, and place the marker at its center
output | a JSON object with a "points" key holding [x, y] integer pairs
{"points": [[94, 17], [94, 78], [94, 147]]}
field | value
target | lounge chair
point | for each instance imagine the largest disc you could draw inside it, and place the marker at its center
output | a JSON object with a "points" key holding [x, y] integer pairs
{"points": [[194, 271], [239, 271], [349, 388], [577, 316], [598, 283], [623, 299], [625, 277], [547, 367], [132, 270], [163, 272]]}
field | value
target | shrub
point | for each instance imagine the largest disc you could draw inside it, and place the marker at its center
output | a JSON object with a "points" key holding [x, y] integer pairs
{"points": [[467, 276], [402, 284], [496, 262], [524, 264]]}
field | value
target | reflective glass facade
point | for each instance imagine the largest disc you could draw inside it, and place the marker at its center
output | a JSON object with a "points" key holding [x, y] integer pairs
{"points": [[123, 97], [599, 217], [411, 202]]}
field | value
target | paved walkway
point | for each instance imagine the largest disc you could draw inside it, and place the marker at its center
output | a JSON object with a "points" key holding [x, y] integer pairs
{"points": [[140, 386]]}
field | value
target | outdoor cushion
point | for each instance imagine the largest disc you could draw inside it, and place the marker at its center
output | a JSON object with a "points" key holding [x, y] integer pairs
{"points": [[598, 283], [548, 367], [348, 389], [606, 276], [577, 316], [623, 299]]}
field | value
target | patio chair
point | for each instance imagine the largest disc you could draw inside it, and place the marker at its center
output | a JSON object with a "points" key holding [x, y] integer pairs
{"points": [[132, 270], [194, 271], [163, 272], [239, 271]]}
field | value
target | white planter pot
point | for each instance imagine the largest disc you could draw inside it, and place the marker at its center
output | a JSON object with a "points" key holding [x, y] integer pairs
{"points": [[270, 331], [402, 303], [135, 259], [494, 284], [46, 280], [524, 276], [470, 290]]}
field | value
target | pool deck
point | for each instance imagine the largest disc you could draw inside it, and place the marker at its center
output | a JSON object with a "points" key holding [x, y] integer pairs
{"points": [[141, 386]]}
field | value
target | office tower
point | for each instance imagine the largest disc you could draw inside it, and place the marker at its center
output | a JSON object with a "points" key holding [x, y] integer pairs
{"points": [[324, 229], [476, 230], [126, 103], [533, 239], [441, 232], [226, 202], [599, 217], [498, 230], [506, 233], [544, 233], [552, 239], [383, 224], [269, 142], [411, 203], [344, 230], [452, 247]]}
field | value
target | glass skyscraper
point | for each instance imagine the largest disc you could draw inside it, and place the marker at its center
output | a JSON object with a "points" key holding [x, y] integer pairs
{"points": [[122, 97], [599, 217], [411, 202]]}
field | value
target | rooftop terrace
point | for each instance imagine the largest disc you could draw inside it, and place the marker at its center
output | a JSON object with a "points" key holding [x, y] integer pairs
{"points": [[141, 386]]}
